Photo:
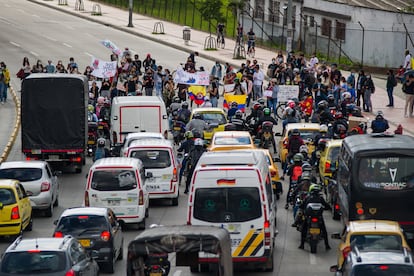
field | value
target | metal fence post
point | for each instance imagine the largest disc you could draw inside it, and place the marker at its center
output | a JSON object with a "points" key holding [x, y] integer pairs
{"points": [[363, 40]]}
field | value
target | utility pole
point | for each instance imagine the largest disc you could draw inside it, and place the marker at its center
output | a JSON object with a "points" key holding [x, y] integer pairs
{"points": [[289, 28], [130, 14]]}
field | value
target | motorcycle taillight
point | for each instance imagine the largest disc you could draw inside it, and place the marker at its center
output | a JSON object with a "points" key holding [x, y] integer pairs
{"points": [[314, 220]]}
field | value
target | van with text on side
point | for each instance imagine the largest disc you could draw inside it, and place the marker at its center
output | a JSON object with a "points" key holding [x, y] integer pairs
{"points": [[137, 114], [233, 190], [158, 159]]}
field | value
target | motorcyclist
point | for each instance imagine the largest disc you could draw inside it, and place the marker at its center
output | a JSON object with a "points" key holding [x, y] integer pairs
{"points": [[238, 121], [346, 103], [266, 118], [101, 151], [336, 126], [186, 147], [380, 124], [290, 114], [184, 113], [323, 113], [197, 123], [300, 194], [92, 117], [254, 115], [314, 197], [294, 172], [173, 109], [193, 157], [305, 152]]}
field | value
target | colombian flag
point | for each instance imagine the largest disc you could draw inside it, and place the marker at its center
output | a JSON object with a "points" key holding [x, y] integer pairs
{"points": [[239, 99], [197, 93], [226, 182]]}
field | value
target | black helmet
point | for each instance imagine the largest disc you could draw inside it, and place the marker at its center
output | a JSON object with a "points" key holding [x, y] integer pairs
{"points": [[176, 99], [184, 105], [197, 116], [298, 157], [331, 98], [295, 131], [238, 114], [197, 133]]}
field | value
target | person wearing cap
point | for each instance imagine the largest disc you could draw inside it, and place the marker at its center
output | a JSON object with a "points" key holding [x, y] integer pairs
{"points": [[258, 78], [71, 65], [148, 62], [380, 124]]}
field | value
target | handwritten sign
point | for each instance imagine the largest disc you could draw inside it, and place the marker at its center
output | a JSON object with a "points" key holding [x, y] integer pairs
{"points": [[287, 92], [103, 69]]}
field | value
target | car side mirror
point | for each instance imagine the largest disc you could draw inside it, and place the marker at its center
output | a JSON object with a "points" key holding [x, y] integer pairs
{"points": [[336, 236], [149, 175], [55, 222]]}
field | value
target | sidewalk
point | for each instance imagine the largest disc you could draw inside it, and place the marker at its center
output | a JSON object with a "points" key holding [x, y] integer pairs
{"points": [[143, 27]]}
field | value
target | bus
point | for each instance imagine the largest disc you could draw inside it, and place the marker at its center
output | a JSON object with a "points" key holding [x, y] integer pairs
{"points": [[375, 179]]}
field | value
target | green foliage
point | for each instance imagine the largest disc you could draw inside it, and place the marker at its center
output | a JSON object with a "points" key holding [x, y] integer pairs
{"points": [[211, 9]]}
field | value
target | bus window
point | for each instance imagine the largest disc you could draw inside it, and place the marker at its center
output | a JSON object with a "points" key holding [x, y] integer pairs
{"points": [[387, 173]]}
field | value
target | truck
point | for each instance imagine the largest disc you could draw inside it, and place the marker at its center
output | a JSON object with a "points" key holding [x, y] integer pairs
{"points": [[54, 119]]}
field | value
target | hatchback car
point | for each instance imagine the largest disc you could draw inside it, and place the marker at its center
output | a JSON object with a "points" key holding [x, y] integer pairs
{"points": [[230, 140], [370, 235], [47, 256], [308, 132], [329, 156], [15, 209], [40, 183], [211, 115], [97, 229]]}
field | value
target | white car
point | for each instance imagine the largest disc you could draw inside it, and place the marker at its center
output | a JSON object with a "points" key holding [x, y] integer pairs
{"points": [[40, 183], [133, 136]]}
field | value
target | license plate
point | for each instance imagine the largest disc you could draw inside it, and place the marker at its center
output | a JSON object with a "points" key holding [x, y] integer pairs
{"points": [[177, 128], [155, 274], [100, 127], [54, 157], [267, 135], [314, 231], [85, 243], [91, 142], [113, 202]]}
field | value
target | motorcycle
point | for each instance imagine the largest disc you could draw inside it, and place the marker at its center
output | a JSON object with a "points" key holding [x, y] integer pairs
{"points": [[103, 129], [157, 265], [313, 215], [182, 160], [267, 135], [92, 138], [178, 131]]}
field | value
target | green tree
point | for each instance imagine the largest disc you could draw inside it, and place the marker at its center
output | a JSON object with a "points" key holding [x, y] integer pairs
{"points": [[211, 10]]}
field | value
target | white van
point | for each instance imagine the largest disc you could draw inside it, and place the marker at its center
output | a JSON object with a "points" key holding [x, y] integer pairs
{"points": [[137, 114], [233, 190], [158, 159], [118, 183]]}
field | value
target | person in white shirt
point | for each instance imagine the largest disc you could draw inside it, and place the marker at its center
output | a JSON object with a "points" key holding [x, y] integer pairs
{"points": [[407, 60], [313, 62], [258, 78]]}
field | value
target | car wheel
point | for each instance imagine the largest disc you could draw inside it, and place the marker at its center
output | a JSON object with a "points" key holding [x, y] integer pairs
{"points": [[174, 201], [141, 225], [121, 252], [110, 266], [49, 211], [269, 264], [78, 170], [147, 212]]}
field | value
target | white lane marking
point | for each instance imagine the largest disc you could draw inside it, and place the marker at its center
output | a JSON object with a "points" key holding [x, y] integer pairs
{"points": [[88, 54], [50, 38], [67, 45], [15, 44], [34, 53], [312, 259], [177, 273]]}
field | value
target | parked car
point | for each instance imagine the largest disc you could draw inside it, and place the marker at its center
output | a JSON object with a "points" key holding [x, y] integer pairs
{"points": [[370, 236], [47, 256], [40, 183], [97, 229], [15, 209]]}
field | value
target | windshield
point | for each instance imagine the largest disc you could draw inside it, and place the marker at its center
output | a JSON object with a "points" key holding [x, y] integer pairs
{"points": [[33, 262], [21, 174], [369, 242], [153, 159], [307, 134], [113, 180], [227, 204], [214, 118], [388, 173], [232, 141], [79, 224], [383, 270]]}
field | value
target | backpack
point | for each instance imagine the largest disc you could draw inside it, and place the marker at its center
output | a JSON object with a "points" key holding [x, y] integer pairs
{"points": [[294, 145], [296, 173], [99, 153]]}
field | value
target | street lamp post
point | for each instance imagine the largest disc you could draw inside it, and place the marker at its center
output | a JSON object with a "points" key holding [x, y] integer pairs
{"points": [[130, 14], [289, 28], [283, 26]]}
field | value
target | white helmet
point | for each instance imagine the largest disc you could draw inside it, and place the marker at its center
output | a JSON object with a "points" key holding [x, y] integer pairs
{"points": [[303, 148], [347, 95], [198, 142], [323, 128]]}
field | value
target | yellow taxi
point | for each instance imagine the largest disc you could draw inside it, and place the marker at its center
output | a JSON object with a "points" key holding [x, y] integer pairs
{"points": [[231, 140], [15, 208], [274, 172], [211, 115], [329, 155], [370, 236], [308, 132]]}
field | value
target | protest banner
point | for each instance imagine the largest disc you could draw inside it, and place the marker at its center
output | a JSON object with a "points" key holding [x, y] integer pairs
{"points": [[103, 69], [111, 46], [287, 92]]}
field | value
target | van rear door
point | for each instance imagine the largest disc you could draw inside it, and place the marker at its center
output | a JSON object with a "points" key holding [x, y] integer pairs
{"points": [[140, 119], [230, 199]]}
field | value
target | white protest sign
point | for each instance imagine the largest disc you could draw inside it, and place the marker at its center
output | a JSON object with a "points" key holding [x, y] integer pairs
{"points": [[287, 92], [103, 69]]}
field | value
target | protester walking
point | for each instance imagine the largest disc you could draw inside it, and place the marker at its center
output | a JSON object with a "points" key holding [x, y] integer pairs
{"points": [[258, 77], [391, 83], [369, 89], [360, 90]]}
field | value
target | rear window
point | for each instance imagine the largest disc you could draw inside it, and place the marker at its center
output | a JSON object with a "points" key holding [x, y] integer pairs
{"points": [[218, 118], [21, 174], [376, 242], [153, 159], [81, 224], [7, 197], [227, 204], [114, 180], [33, 262], [232, 141], [383, 270], [307, 134]]}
